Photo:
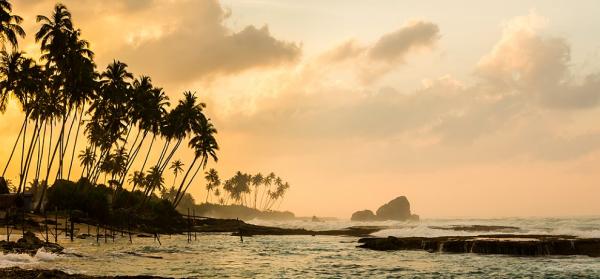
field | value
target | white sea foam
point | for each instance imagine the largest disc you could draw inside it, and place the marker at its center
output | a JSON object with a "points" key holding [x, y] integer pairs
{"points": [[580, 227], [12, 259]]}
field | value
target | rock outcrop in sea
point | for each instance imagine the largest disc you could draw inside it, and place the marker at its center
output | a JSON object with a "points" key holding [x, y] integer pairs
{"points": [[397, 209], [503, 244]]}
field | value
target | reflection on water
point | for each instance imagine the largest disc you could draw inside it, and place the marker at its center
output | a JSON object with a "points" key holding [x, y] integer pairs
{"points": [[221, 255]]}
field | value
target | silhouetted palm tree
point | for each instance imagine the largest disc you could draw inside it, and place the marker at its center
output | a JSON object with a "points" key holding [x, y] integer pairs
{"points": [[154, 181], [10, 28], [212, 181], [138, 178], [87, 158], [267, 182], [205, 147], [177, 168], [257, 180]]}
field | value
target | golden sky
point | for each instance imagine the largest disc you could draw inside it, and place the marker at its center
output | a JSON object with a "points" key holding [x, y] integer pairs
{"points": [[467, 108]]}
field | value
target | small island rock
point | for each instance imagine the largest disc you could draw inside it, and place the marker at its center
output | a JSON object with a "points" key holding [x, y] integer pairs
{"points": [[363, 215], [397, 209]]}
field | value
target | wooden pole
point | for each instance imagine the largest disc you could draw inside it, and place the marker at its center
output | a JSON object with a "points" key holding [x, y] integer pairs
{"points": [[67, 223], [56, 225], [240, 230], [7, 225], [23, 221], [72, 229], [97, 232], [188, 224], [194, 220], [46, 224]]}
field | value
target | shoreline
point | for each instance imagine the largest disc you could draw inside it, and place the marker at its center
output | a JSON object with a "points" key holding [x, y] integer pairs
{"points": [[22, 273]]}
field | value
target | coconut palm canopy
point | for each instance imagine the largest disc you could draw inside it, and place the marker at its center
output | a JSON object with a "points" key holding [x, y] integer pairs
{"points": [[63, 93]]}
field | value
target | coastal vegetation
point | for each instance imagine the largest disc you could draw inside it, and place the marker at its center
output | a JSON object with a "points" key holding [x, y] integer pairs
{"points": [[107, 121]]}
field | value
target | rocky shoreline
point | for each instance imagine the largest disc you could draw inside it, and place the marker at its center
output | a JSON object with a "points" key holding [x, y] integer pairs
{"points": [[20, 273], [237, 227], [503, 244], [28, 244]]}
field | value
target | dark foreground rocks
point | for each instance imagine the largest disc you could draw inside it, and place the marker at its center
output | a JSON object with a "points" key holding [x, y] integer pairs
{"points": [[19, 273], [237, 227], [397, 209], [504, 244], [28, 244]]}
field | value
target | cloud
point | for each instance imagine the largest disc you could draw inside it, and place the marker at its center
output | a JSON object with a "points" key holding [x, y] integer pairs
{"points": [[394, 46], [524, 102], [528, 63], [371, 62], [173, 41]]}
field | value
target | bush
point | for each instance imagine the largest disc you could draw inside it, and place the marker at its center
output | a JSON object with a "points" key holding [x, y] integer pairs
{"points": [[119, 208]]}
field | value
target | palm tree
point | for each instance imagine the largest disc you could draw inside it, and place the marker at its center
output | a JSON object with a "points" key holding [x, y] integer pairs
{"points": [[54, 36], [109, 110], [154, 181], [147, 108], [87, 158], [152, 115], [205, 146], [11, 83], [179, 123], [177, 167], [10, 28], [268, 181], [213, 181], [138, 178], [257, 180]]}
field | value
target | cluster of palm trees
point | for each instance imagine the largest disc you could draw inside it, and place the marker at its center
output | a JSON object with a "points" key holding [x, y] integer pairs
{"points": [[116, 112], [257, 191]]}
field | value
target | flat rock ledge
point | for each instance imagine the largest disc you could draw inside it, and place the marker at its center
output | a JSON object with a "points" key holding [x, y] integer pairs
{"points": [[503, 244], [237, 227]]}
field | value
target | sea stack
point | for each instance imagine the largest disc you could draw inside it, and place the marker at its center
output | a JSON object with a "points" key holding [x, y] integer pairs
{"points": [[397, 209]]}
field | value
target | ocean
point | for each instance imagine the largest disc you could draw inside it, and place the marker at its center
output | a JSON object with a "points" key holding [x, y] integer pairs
{"points": [[223, 255]]}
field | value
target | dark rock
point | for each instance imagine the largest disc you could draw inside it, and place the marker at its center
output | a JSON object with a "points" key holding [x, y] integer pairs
{"points": [[363, 215], [237, 227], [18, 273], [397, 209], [506, 244], [28, 244], [3, 186]]}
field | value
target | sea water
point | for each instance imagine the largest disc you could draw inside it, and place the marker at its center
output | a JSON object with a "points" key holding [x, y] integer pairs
{"points": [[221, 255]]}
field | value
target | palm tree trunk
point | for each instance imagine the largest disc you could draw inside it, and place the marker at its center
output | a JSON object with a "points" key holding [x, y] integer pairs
{"points": [[255, 195], [76, 137], [24, 166], [183, 180], [49, 167], [145, 160], [32, 147], [22, 154], [174, 179], [41, 153], [14, 146], [66, 143], [168, 158], [163, 152], [190, 182], [262, 199], [132, 156]]}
